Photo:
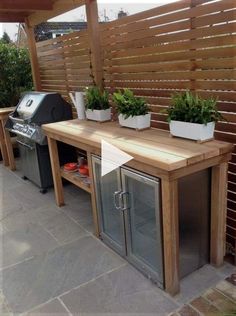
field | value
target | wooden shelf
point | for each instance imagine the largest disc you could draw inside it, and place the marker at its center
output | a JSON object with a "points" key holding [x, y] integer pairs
{"points": [[71, 177]]}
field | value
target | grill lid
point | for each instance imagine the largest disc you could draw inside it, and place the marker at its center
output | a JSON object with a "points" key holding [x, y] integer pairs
{"points": [[29, 104], [35, 109]]}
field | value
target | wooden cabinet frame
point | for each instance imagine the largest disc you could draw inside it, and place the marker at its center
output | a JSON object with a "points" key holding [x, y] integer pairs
{"points": [[169, 188], [5, 140]]}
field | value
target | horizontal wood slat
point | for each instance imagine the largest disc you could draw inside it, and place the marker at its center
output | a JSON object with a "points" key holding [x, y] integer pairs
{"points": [[179, 46], [188, 44], [65, 63], [155, 17]]}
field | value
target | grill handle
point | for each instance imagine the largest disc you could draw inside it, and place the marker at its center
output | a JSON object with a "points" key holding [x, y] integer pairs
{"points": [[24, 144], [16, 119]]}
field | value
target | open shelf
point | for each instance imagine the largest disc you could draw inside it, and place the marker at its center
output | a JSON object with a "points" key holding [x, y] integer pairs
{"points": [[71, 177]]}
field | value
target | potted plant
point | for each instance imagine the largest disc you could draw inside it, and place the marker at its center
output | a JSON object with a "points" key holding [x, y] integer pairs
{"points": [[97, 104], [192, 117], [133, 111]]}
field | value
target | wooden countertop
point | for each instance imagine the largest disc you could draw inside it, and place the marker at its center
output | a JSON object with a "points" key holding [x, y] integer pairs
{"points": [[152, 147], [5, 111]]}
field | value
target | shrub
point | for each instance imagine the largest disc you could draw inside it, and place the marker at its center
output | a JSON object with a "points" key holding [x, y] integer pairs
{"points": [[95, 99], [129, 105], [15, 74], [187, 107]]}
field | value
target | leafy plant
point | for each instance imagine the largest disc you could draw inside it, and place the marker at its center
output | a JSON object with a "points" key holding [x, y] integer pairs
{"points": [[96, 99], [129, 105], [15, 74], [187, 107]]}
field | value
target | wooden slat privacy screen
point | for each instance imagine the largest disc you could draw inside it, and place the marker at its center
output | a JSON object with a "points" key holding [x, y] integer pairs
{"points": [[65, 63], [189, 44], [179, 46]]}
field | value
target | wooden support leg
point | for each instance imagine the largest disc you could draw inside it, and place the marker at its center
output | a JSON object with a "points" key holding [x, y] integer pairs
{"points": [[9, 147], [93, 196], [170, 235], [3, 146], [56, 171], [218, 213]]}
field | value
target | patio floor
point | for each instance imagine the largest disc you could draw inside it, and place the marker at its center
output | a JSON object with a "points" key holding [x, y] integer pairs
{"points": [[52, 264]]}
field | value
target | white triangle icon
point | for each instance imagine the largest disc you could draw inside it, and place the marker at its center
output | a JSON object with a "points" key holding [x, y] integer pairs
{"points": [[112, 158]]}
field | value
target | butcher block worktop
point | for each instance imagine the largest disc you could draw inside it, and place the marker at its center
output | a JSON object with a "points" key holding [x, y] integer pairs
{"points": [[6, 111], [152, 147]]}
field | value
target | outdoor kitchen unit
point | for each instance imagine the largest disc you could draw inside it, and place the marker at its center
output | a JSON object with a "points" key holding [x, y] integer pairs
{"points": [[129, 206], [164, 210], [33, 110]]}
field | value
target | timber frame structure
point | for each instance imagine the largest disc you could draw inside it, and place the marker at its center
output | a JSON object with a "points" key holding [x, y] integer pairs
{"points": [[34, 12]]}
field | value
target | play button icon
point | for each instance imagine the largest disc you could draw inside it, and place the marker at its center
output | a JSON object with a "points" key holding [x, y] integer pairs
{"points": [[112, 157]]}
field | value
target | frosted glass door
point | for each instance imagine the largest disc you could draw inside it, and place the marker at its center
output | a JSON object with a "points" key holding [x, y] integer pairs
{"points": [[111, 218], [143, 229]]}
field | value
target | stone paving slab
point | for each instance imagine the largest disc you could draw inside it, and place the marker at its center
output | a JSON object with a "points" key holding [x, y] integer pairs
{"points": [[4, 308], [51, 274], [52, 308], [80, 269], [124, 290], [198, 281], [18, 245]]}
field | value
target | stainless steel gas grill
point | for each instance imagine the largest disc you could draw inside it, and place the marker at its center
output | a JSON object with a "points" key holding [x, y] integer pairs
{"points": [[33, 110]]}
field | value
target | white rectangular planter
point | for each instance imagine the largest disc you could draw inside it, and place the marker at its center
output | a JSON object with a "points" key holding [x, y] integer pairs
{"points": [[99, 115], [137, 122], [193, 131]]}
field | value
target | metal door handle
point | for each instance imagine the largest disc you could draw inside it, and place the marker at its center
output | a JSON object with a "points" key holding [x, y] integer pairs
{"points": [[115, 195], [121, 195]]}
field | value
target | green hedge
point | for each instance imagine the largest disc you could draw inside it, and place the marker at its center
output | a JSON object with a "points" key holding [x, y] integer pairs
{"points": [[15, 74]]}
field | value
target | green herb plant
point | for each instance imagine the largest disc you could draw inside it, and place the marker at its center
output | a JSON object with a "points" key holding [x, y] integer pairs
{"points": [[95, 99], [129, 105], [187, 107]]}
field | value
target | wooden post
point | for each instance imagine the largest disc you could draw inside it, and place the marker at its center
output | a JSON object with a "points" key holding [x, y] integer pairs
{"points": [[33, 56], [218, 213], [3, 147], [93, 196], [56, 171], [9, 148], [94, 41], [170, 222]]}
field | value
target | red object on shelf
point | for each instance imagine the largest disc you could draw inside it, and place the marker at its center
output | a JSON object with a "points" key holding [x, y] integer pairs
{"points": [[84, 170], [70, 166]]}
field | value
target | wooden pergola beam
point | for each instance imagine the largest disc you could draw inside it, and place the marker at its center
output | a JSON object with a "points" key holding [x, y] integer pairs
{"points": [[59, 7], [26, 5], [12, 17], [36, 11]]}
